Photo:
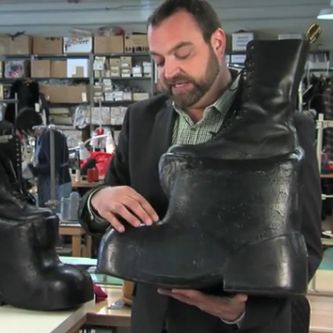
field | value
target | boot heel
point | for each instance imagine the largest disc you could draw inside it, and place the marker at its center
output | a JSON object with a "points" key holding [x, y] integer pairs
{"points": [[276, 266]]}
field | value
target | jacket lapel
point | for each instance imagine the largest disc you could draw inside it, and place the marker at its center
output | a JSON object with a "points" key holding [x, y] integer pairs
{"points": [[163, 128]]}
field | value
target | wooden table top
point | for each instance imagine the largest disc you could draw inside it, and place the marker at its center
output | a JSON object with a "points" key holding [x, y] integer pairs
{"points": [[106, 314], [321, 313]]}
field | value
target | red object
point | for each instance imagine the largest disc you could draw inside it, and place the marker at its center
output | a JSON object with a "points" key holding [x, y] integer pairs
{"points": [[102, 161], [96, 178], [90, 175], [100, 295], [99, 131]]}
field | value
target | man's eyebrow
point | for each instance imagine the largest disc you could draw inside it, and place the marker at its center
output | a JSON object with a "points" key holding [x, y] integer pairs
{"points": [[175, 48]]}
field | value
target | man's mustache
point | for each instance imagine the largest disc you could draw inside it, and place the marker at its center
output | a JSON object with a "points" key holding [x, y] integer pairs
{"points": [[178, 79]]}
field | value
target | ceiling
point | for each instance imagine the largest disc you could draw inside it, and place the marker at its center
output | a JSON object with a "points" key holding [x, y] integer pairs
{"points": [[58, 17]]}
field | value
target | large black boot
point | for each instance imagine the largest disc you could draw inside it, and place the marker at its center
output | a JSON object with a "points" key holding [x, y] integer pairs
{"points": [[12, 202], [233, 217], [32, 277]]}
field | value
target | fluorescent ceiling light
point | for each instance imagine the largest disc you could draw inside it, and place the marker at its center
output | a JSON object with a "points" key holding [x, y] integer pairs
{"points": [[325, 14]]}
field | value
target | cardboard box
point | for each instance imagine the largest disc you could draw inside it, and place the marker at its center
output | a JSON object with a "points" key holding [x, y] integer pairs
{"points": [[136, 43], [64, 93], [47, 45], [101, 115], [4, 40], [115, 62], [139, 96], [240, 40], [110, 44], [126, 62], [58, 68], [77, 45], [40, 68], [19, 45]]}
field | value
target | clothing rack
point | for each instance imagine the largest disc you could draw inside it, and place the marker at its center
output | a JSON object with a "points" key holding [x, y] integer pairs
{"points": [[11, 101], [13, 139]]}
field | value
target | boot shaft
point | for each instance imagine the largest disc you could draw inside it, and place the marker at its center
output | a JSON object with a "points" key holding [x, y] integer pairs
{"points": [[12, 202], [262, 125], [269, 85]]}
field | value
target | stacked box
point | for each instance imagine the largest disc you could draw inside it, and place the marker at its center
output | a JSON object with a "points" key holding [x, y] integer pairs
{"points": [[147, 69], [65, 93], [139, 96], [58, 68], [40, 68], [47, 45], [137, 71], [100, 116], [115, 65], [108, 44], [136, 43], [126, 66], [117, 115]]}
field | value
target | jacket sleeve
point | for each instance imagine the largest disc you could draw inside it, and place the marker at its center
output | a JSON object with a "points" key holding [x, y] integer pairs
{"points": [[118, 174], [310, 191]]}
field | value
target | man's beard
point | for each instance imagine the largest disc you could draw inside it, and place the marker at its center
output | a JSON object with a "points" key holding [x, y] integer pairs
{"points": [[200, 86]]}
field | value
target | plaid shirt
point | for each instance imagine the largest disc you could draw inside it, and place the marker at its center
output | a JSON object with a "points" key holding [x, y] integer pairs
{"points": [[185, 131]]}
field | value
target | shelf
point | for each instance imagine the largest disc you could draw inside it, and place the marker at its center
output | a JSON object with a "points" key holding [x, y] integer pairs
{"points": [[326, 175], [61, 78], [125, 54], [114, 102], [43, 56], [140, 78]]}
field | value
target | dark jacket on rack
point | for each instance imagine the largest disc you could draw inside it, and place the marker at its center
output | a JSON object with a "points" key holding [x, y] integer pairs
{"points": [[42, 168], [27, 94], [145, 136]]}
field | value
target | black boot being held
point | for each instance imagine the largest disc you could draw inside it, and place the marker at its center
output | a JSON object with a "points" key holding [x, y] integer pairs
{"points": [[233, 215]]}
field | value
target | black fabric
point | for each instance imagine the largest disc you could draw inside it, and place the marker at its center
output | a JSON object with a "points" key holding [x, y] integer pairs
{"points": [[28, 95], [61, 156], [300, 310], [145, 136]]}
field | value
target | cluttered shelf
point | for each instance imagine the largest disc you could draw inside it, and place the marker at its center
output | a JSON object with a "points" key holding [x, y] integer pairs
{"points": [[84, 183], [326, 175]]}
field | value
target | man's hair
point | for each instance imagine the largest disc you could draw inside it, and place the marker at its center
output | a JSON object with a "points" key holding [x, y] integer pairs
{"points": [[201, 10], [27, 119]]}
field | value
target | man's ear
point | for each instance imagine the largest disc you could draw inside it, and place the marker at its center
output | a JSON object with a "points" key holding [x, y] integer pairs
{"points": [[218, 41]]}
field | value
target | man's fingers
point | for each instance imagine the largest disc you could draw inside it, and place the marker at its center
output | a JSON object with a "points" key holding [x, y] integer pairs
{"points": [[145, 205], [116, 224]]}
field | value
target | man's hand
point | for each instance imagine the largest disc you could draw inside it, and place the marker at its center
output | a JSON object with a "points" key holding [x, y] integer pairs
{"points": [[123, 201], [226, 308]]}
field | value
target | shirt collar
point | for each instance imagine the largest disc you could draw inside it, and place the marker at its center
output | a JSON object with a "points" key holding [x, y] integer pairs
{"points": [[221, 104]]}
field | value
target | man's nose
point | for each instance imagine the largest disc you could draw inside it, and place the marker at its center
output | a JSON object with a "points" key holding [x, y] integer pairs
{"points": [[171, 69]]}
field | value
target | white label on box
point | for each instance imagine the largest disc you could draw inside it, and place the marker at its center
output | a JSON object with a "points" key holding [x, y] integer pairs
{"points": [[84, 97], [77, 44]]}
